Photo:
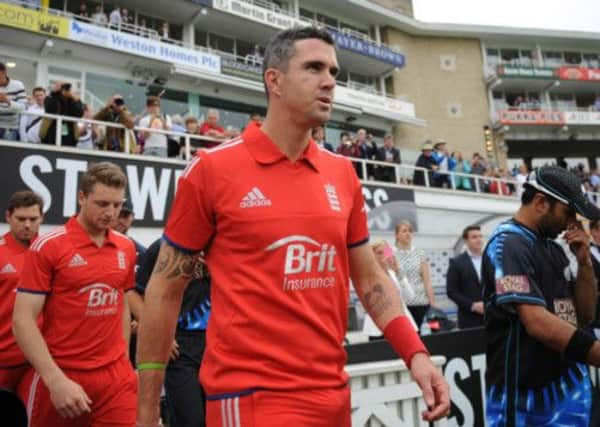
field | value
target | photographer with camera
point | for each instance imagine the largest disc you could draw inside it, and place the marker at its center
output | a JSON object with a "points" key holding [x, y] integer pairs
{"points": [[116, 111], [61, 101]]}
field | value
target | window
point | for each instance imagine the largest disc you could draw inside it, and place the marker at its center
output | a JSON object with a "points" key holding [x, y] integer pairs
{"points": [[553, 59], [201, 38], [590, 60], [244, 48], [224, 44], [526, 58], [573, 58], [493, 57], [324, 19], [305, 13], [510, 56]]}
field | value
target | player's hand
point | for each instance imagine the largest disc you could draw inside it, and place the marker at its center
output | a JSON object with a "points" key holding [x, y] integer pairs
{"points": [[433, 385], [578, 241], [69, 398], [477, 307], [4, 98], [174, 350]]}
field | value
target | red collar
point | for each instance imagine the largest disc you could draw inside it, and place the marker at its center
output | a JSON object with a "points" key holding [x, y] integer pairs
{"points": [[82, 238], [14, 243], [264, 150]]}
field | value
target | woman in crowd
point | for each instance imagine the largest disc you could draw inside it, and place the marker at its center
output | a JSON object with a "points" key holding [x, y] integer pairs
{"points": [[415, 265], [386, 259], [463, 166]]}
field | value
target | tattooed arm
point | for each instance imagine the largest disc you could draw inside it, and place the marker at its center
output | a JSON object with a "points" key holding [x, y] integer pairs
{"points": [[379, 296], [172, 272]]}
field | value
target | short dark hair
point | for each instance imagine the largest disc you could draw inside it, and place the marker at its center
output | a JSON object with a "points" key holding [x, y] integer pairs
{"points": [[38, 89], [280, 47], [529, 192], [24, 199], [106, 173], [468, 229]]}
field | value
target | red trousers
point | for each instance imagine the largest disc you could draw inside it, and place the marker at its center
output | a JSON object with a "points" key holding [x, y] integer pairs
{"points": [[306, 408], [112, 390]]}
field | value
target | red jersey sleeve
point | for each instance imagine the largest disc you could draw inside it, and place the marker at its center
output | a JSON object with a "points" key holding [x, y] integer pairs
{"points": [[358, 230], [191, 225], [37, 271]]}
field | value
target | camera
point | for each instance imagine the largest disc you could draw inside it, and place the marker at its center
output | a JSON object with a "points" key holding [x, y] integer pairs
{"points": [[66, 87], [119, 102]]}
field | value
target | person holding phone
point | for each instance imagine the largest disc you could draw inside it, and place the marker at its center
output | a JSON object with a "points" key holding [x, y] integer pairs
{"points": [[384, 255], [61, 101], [116, 111]]}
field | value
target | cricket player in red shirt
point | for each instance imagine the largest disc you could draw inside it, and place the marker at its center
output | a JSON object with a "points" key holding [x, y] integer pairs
{"points": [[24, 215], [76, 276], [283, 225]]}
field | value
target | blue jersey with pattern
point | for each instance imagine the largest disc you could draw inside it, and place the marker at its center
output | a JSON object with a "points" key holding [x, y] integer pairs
{"points": [[529, 384], [195, 306]]}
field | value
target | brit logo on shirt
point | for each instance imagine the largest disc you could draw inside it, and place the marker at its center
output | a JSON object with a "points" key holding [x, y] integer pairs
{"points": [[121, 260], [332, 197]]}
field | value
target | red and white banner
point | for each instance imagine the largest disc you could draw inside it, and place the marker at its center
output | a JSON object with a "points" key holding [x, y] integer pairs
{"points": [[531, 117], [579, 73]]}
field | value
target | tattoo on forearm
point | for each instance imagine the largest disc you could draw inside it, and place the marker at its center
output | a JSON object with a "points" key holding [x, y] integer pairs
{"points": [[376, 301], [173, 263]]}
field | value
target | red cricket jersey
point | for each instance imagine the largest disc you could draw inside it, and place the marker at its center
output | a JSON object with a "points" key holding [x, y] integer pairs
{"points": [[12, 254], [85, 285], [277, 235]]}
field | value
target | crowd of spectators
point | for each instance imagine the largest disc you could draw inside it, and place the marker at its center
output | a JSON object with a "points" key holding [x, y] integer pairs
{"points": [[436, 166], [122, 19]]}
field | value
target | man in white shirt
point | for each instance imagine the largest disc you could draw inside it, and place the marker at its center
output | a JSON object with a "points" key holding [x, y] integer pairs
{"points": [[463, 280], [29, 128], [99, 17], [155, 144], [115, 19], [13, 100]]}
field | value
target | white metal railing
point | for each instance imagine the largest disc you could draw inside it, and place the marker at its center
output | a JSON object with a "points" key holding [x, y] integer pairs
{"points": [[188, 138]]}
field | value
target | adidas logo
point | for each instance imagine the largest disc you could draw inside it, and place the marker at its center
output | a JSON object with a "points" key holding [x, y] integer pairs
{"points": [[77, 261], [254, 199], [8, 269]]}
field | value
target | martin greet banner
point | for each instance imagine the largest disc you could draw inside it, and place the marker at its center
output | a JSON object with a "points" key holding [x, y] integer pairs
{"points": [[33, 20]]}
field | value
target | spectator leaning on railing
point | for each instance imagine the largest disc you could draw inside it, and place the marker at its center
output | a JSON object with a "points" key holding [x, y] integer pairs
{"points": [[116, 111], [29, 129], [61, 101], [155, 144], [426, 161], [387, 153], [13, 99], [99, 17]]}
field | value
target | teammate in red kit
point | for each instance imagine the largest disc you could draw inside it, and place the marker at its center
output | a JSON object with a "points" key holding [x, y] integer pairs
{"points": [[24, 215], [283, 225], [76, 276]]}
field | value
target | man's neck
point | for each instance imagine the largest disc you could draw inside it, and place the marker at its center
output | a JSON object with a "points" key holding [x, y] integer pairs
{"points": [[95, 234], [474, 253], [288, 135], [524, 218], [25, 243]]}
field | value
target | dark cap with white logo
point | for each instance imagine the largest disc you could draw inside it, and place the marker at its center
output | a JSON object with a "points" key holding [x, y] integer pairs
{"points": [[565, 187]]}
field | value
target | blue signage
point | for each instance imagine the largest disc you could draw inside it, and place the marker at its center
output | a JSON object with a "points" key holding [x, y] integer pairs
{"points": [[363, 47]]}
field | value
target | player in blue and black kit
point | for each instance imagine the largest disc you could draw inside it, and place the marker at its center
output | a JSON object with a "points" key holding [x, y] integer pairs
{"points": [[537, 308], [186, 399]]}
